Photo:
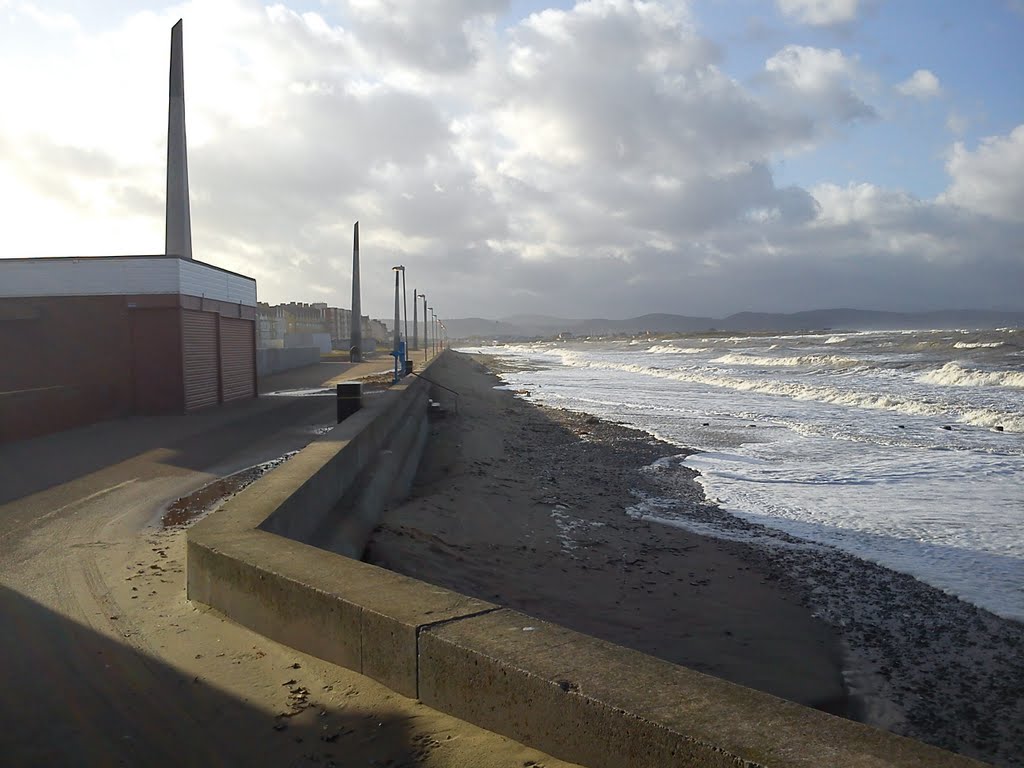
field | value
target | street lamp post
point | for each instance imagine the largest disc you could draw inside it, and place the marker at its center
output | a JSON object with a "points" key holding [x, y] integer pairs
{"points": [[397, 352], [426, 328], [415, 317], [437, 330], [433, 331], [405, 311]]}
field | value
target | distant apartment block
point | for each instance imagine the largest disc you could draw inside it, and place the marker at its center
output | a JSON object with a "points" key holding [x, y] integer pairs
{"points": [[301, 324]]}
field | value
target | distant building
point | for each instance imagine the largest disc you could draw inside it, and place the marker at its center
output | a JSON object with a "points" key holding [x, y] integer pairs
{"points": [[271, 325], [375, 329], [283, 323], [339, 324], [88, 339]]}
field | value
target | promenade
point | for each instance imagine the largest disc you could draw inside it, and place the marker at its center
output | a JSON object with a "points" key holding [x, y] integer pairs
{"points": [[105, 661]]}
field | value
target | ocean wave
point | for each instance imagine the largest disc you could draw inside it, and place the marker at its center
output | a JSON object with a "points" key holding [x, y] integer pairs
{"points": [[798, 391], [978, 344], [836, 340], [801, 360], [661, 349], [985, 417], [955, 375]]}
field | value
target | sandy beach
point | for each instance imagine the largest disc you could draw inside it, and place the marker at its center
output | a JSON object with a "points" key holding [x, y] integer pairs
{"points": [[524, 506], [529, 507]]}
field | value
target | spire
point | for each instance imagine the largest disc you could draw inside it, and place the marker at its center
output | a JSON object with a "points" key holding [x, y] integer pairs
{"points": [[178, 221], [357, 312]]}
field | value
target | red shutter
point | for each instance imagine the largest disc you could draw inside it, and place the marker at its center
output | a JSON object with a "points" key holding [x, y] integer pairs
{"points": [[237, 359], [199, 345]]}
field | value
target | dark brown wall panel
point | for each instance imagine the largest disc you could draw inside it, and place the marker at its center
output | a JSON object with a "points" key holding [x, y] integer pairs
{"points": [[156, 360], [69, 360]]}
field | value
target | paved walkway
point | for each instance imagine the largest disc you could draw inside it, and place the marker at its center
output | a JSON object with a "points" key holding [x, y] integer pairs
{"points": [[104, 661]]}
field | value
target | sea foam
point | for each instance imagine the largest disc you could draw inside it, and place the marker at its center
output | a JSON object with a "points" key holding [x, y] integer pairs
{"points": [[954, 375]]}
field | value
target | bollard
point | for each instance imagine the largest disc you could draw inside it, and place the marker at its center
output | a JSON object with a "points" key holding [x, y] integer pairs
{"points": [[408, 367], [350, 399]]}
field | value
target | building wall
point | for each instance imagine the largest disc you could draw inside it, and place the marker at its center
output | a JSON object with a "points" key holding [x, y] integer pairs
{"points": [[124, 276], [74, 360], [156, 359], [67, 362]]}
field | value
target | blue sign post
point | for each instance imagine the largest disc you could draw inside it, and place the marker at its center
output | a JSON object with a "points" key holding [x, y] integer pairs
{"points": [[399, 355]]}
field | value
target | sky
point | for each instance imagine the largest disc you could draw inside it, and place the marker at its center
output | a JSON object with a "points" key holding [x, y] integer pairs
{"points": [[605, 158]]}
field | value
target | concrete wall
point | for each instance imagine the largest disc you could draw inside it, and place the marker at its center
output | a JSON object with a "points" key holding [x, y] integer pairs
{"points": [[576, 697], [306, 339], [274, 360]]}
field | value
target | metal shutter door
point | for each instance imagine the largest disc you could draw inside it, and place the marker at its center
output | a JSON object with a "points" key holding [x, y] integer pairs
{"points": [[199, 350], [237, 358]]}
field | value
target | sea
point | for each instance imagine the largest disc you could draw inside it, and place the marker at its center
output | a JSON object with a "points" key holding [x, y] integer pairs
{"points": [[905, 448]]}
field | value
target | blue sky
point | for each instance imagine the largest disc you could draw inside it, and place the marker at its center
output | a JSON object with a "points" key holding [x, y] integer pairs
{"points": [[606, 157], [973, 48]]}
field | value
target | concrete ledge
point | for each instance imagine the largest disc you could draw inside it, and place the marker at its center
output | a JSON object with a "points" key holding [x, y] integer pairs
{"points": [[589, 701], [341, 610], [574, 696]]}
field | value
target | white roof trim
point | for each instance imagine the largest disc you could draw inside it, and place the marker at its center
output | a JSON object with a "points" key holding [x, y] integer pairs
{"points": [[130, 275]]}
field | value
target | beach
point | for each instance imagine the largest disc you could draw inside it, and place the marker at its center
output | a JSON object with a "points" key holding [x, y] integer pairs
{"points": [[541, 510], [523, 506]]}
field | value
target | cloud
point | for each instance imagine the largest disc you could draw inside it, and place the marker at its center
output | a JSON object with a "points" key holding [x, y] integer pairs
{"points": [[923, 85], [822, 83], [989, 180], [956, 123], [819, 13], [442, 36], [595, 160]]}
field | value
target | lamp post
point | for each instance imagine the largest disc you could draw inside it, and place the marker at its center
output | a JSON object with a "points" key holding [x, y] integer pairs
{"points": [[433, 331], [437, 332], [398, 330], [426, 328], [415, 314]]}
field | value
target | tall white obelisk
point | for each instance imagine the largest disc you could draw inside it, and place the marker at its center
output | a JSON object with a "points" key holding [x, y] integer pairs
{"points": [[178, 235]]}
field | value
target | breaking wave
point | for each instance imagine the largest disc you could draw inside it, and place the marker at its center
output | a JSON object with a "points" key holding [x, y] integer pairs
{"points": [[803, 360], [798, 391], [955, 375], [661, 349], [978, 344]]}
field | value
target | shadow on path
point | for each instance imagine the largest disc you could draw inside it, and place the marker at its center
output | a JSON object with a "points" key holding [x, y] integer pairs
{"points": [[72, 696]]}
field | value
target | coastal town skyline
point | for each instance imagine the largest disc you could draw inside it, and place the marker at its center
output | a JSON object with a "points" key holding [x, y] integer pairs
{"points": [[598, 159]]}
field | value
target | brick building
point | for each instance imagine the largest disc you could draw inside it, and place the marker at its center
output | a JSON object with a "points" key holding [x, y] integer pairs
{"points": [[87, 339]]}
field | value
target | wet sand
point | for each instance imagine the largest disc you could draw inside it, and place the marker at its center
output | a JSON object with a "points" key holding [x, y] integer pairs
{"points": [[524, 506], [528, 507]]}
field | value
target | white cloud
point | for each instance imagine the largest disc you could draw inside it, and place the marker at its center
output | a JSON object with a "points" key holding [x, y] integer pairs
{"points": [[989, 180], [956, 123], [923, 84], [820, 82], [595, 160], [819, 13]]}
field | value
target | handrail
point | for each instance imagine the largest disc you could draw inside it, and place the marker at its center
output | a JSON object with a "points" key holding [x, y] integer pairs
{"points": [[437, 384]]}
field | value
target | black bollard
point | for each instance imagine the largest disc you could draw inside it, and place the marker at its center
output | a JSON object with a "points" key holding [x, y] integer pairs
{"points": [[408, 367], [350, 399]]}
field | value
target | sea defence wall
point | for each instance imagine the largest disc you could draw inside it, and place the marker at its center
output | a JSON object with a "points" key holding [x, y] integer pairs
{"points": [[279, 558], [276, 359]]}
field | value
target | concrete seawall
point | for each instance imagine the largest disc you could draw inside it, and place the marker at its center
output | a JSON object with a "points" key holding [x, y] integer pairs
{"points": [[271, 360], [264, 560]]}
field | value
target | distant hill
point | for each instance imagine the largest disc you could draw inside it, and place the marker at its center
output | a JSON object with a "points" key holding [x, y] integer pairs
{"points": [[541, 326]]}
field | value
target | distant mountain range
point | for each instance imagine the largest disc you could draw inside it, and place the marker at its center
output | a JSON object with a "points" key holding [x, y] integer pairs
{"points": [[541, 326]]}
